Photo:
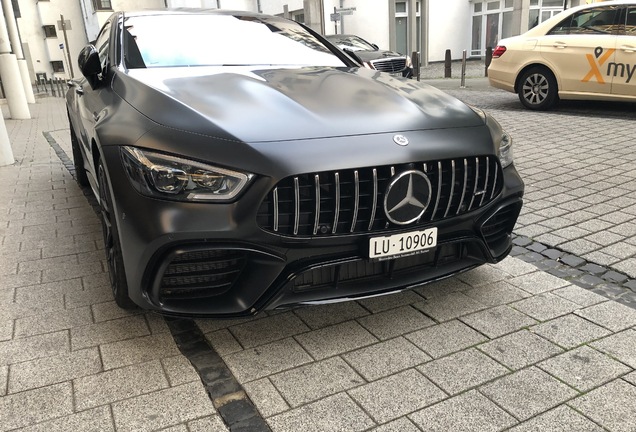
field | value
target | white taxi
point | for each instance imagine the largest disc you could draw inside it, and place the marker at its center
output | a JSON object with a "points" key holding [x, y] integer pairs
{"points": [[587, 52]]}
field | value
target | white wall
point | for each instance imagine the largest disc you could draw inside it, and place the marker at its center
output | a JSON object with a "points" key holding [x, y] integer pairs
{"points": [[370, 20], [275, 7], [450, 24]]}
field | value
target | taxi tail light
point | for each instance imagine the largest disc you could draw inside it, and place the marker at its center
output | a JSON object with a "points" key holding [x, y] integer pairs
{"points": [[499, 51]]}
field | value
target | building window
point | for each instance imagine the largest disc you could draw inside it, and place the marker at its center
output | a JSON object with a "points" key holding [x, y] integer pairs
{"points": [[541, 10], [58, 66], [100, 5], [492, 21], [49, 31], [298, 16]]}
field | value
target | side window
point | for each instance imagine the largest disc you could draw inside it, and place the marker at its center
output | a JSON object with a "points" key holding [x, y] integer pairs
{"points": [[601, 20], [102, 44], [630, 22]]}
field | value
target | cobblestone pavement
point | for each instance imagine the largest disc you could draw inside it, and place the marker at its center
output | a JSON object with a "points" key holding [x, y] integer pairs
{"points": [[515, 346]]}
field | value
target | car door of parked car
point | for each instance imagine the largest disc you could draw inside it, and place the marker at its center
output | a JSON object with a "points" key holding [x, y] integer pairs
{"points": [[580, 48], [624, 82]]}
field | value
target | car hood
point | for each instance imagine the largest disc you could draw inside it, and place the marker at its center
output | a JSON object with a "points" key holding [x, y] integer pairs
{"points": [[377, 55], [288, 104]]}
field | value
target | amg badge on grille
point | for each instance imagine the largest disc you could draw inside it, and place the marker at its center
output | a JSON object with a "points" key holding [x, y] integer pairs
{"points": [[407, 197]]}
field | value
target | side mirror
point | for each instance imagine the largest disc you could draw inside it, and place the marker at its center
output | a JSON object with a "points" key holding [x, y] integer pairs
{"points": [[89, 63], [375, 46]]}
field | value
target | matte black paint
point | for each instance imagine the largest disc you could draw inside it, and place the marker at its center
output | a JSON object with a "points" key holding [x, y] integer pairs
{"points": [[273, 123]]}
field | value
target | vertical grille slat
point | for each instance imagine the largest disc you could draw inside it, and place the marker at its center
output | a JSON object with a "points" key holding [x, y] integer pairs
{"points": [[351, 201], [337, 211], [357, 200]]}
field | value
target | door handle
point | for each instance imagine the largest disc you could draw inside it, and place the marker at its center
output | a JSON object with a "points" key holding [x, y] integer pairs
{"points": [[96, 116], [79, 91], [628, 48], [560, 45]]}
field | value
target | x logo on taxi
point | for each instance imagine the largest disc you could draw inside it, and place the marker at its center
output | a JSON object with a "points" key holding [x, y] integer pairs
{"points": [[594, 67]]}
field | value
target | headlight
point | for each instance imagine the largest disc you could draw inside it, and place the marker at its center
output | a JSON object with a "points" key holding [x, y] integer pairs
{"points": [[502, 139], [169, 177]]}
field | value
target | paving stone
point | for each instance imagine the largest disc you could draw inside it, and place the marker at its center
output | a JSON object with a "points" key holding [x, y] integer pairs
{"points": [[627, 266], [461, 371], [54, 321], [394, 322], [108, 311], [207, 424], [52, 370], [619, 395], [137, 350], [88, 297], [390, 301], [498, 321], [268, 329], [385, 358], [545, 306], [265, 360], [210, 325], [450, 306], [588, 281], [560, 419], [325, 315], [594, 269], [179, 370], [118, 384], [579, 295], [442, 288], [445, 338], [570, 331], [528, 392], [316, 380], [335, 340], [156, 323], [35, 406], [4, 372], [397, 395], [631, 378], [467, 412], [496, 294], [515, 267], [611, 315], [621, 346], [402, 424], [6, 330], [70, 271], [552, 253], [162, 408], [601, 258], [94, 420], [537, 283], [108, 331], [584, 368], [335, 413], [223, 342], [266, 398], [34, 347], [520, 349], [483, 275]]}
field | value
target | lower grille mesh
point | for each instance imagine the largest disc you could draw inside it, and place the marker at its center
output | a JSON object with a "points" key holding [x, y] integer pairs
{"points": [[201, 274]]}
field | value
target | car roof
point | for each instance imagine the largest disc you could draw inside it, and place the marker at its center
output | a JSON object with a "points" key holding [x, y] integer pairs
{"points": [[195, 11]]}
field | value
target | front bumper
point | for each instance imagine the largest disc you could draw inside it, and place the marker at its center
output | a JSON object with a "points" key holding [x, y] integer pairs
{"points": [[170, 244]]}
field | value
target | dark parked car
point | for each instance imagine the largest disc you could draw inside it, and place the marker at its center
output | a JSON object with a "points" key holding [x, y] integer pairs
{"points": [[243, 163], [372, 56]]}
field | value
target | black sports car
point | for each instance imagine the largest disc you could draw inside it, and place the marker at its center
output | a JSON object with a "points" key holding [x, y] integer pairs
{"points": [[243, 163]]}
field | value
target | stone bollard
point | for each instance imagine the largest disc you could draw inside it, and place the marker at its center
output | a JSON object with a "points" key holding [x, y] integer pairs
{"points": [[447, 64]]}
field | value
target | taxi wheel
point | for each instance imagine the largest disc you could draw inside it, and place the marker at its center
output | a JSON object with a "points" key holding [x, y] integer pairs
{"points": [[538, 89]]}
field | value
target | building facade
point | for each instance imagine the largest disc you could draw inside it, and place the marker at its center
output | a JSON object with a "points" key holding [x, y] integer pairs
{"points": [[51, 46]]}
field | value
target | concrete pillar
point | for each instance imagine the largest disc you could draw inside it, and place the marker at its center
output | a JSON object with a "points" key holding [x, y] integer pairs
{"points": [[392, 38], [6, 154], [11, 79], [425, 20], [313, 15], [411, 31], [16, 45]]}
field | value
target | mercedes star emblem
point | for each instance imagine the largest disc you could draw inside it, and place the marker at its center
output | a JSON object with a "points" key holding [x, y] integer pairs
{"points": [[400, 140], [407, 197]]}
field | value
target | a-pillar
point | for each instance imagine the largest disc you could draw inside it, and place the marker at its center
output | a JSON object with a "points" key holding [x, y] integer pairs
{"points": [[14, 37], [11, 79]]}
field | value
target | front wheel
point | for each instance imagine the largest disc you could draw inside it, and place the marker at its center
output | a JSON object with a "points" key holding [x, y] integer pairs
{"points": [[111, 243], [538, 89]]}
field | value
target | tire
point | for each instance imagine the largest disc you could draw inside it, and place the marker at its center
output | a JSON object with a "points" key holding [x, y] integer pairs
{"points": [[538, 89], [112, 246], [78, 160]]}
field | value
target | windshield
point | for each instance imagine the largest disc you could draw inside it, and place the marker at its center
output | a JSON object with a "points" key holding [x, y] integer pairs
{"points": [[353, 43], [220, 40]]}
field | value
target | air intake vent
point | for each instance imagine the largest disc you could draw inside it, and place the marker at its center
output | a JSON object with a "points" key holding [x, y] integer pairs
{"points": [[352, 201], [201, 274], [498, 228]]}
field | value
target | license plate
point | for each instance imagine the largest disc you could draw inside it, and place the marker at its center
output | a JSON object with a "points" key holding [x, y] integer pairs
{"points": [[402, 244]]}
